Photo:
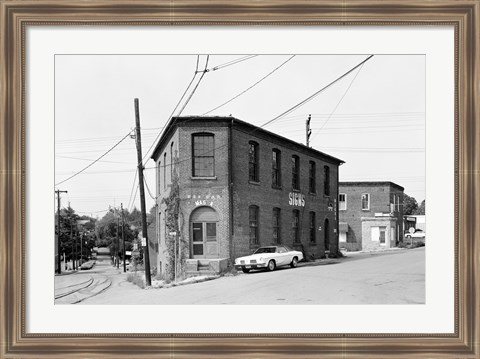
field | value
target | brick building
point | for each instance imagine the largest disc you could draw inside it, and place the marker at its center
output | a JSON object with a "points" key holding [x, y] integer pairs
{"points": [[241, 187], [371, 215]]}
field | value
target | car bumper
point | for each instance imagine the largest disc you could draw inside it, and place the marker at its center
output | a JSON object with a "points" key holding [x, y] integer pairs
{"points": [[251, 266]]}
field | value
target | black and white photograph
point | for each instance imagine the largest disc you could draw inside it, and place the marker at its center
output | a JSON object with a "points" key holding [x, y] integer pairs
{"points": [[245, 179]]}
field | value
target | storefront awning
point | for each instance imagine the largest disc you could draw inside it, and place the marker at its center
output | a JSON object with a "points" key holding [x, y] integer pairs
{"points": [[343, 227]]}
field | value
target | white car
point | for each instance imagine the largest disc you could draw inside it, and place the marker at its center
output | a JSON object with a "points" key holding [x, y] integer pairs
{"points": [[418, 234], [269, 257]]}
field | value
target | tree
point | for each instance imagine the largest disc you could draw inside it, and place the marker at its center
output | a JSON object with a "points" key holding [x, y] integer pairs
{"points": [[107, 230], [410, 205], [421, 209]]}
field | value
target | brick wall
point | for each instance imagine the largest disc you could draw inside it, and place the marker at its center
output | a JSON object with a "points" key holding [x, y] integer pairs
{"points": [[380, 200], [263, 195]]}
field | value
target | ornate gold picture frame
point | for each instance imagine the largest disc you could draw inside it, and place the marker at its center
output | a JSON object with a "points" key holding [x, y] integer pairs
{"points": [[17, 15]]}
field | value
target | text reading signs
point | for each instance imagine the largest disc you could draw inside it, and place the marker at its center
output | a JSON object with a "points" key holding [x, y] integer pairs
{"points": [[296, 199]]}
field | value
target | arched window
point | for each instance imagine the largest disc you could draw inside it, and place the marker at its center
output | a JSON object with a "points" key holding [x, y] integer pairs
{"points": [[326, 180], [253, 162], [295, 172], [276, 220], [313, 228], [326, 234], [203, 155], [312, 177], [253, 224], [296, 225], [276, 168]]}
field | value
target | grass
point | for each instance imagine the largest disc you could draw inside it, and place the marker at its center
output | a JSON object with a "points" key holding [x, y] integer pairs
{"points": [[136, 279]]}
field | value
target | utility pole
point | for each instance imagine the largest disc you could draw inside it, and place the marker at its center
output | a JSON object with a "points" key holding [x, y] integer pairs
{"points": [[73, 245], [59, 247], [117, 244], [81, 248], [138, 140], [123, 240], [309, 131]]}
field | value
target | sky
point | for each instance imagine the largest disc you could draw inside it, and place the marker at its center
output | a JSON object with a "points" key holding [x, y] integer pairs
{"points": [[373, 118]]}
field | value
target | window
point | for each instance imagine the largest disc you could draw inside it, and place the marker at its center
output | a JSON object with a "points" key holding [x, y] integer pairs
{"points": [[326, 234], [295, 172], [342, 202], [171, 162], [326, 180], [365, 201], [312, 177], [313, 226], [211, 231], [296, 225], [165, 170], [253, 223], [276, 226], [253, 162], [159, 176], [276, 169], [203, 155]]}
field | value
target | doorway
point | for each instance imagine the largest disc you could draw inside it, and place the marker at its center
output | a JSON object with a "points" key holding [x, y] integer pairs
{"points": [[203, 229]]}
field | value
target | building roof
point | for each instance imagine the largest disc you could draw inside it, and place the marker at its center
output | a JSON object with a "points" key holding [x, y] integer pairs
{"points": [[226, 121], [369, 184]]}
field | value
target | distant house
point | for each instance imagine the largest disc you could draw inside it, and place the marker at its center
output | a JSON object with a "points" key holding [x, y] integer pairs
{"points": [[370, 214]]}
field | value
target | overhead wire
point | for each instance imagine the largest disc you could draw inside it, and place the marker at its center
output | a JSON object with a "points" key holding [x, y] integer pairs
{"points": [[315, 94], [98, 159], [250, 87], [175, 108], [338, 103], [230, 63]]}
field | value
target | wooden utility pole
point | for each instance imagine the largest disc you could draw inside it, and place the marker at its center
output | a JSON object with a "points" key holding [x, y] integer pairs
{"points": [[309, 131], [117, 246], [138, 140], [123, 240], [73, 244], [59, 247]]}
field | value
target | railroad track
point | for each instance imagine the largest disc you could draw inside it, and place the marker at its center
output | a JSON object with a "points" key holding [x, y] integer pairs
{"points": [[77, 293]]}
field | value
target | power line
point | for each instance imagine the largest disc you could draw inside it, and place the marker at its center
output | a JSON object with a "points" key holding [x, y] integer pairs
{"points": [[230, 63], [133, 188], [195, 88], [338, 103], [176, 106], [148, 189], [91, 164], [250, 87], [316, 93]]}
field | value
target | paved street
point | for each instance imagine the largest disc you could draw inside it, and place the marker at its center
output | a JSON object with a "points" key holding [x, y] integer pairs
{"points": [[393, 277]]}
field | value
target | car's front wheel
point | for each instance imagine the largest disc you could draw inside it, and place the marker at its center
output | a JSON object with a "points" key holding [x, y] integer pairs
{"points": [[294, 262], [245, 270], [271, 265]]}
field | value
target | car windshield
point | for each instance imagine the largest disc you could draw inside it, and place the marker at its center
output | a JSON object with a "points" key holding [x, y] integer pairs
{"points": [[265, 250]]}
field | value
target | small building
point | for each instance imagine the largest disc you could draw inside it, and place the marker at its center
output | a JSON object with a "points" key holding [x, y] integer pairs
{"points": [[371, 215], [409, 221], [239, 187], [420, 222]]}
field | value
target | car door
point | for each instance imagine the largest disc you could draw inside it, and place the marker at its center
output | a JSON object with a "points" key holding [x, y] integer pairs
{"points": [[283, 256]]}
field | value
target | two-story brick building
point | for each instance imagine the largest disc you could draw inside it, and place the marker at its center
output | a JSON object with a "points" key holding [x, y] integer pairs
{"points": [[241, 187], [371, 215]]}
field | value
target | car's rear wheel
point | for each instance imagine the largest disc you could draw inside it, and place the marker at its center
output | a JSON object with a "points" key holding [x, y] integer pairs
{"points": [[271, 265], [245, 270], [294, 262]]}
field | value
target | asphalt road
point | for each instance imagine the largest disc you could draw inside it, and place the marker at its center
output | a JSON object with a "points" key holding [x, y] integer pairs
{"points": [[396, 277]]}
